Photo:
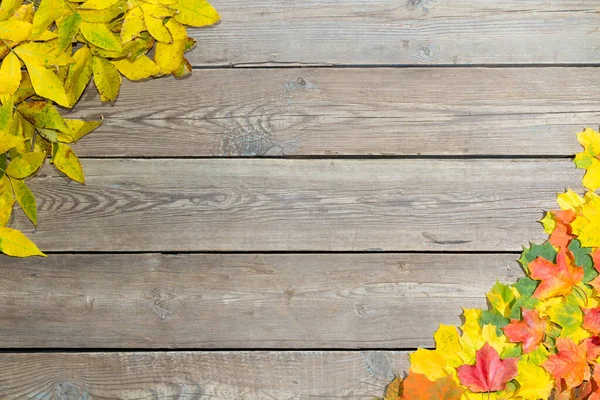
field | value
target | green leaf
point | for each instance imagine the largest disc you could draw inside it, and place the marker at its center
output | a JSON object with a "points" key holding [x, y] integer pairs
{"points": [[25, 198], [537, 250], [525, 287], [67, 29], [501, 298], [583, 259], [494, 318]]}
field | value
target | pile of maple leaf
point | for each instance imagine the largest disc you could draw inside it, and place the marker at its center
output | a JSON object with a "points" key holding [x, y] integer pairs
{"points": [[49, 51], [539, 337]]}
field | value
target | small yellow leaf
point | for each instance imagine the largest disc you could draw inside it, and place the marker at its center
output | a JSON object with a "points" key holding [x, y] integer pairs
{"points": [[25, 198], [77, 129], [79, 74], [196, 13], [47, 84], [15, 30], [6, 201], [106, 78], [8, 8], [10, 74], [25, 165], [157, 29], [15, 244], [66, 161], [7, 142], [133, 25], [47, 12], [142, 68], [99, 35]]}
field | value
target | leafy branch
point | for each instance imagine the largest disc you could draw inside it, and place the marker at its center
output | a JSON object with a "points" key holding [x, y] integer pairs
{"points": [[49, 51]]}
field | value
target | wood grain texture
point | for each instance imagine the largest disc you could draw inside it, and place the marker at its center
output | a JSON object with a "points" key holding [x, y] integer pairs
{"points": [[379, 111], [424, 32], [242, 301], [297, 205], [198, 375]]}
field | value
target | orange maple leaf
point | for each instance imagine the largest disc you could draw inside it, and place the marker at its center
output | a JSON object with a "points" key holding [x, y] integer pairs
{"points": [[418, 387], [591, 319], [529, 331], [557, 279], [562, 233], [490, 373], [570, 363], [596, 259]]}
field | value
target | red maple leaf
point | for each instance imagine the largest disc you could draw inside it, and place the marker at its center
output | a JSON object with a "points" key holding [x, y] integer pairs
{"points": [[557, 279], [529, 331], [570, 363], [490, 373], [562, 234]]}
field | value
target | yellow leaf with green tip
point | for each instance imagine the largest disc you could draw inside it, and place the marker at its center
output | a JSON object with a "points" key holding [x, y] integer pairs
{"points": [[25, 198], [67, 30], [10, 74], [65, 160], [25, 165], [196, 13], [142, 68], [15, 244], [501, 298], [99, 35], [106, 78]]}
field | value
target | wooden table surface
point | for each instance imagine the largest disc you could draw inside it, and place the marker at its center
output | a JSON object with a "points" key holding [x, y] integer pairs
{"points": [[335, 179]]}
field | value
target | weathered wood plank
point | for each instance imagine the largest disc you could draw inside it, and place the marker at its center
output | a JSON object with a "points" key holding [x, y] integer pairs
{"points": [[242, 301], [387, 32], [297, 205], [312, 111], [199, 375]]}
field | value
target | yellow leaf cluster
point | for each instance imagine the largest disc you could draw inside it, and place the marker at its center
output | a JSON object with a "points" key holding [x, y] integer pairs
{"points": [[49, 52]]}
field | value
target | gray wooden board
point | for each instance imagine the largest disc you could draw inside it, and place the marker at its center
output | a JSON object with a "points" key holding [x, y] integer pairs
{"points": [[424, 32], [242, 300], [199, 375], [316, 111], [297, 205]]}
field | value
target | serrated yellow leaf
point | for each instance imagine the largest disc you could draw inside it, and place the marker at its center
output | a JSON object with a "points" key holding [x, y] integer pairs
{"points": [[15, 244], [65, 160], [569, 200], [534, 381], [25, 165], [196, 13], [10, 74], [99, 35], [142, 68], [133, 25], [47, 12], [98, 4], [8, 8], [106, 78], [25, 198], [430, 363], [79, 75], [15, 30]]}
